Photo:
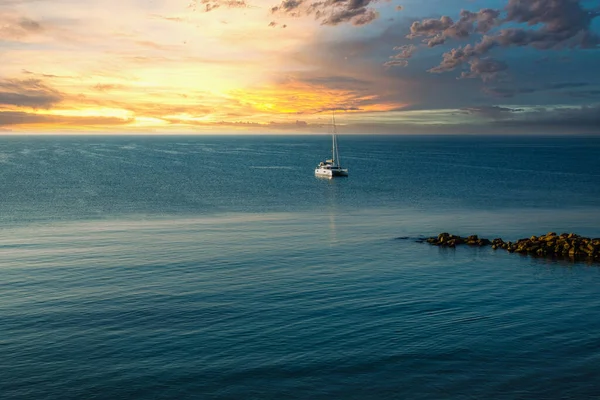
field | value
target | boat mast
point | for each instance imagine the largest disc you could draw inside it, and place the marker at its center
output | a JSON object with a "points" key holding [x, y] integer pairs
{"points": [[335, 154], [333, 140]]}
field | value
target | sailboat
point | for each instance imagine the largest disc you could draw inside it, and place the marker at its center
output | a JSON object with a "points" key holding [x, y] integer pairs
{"points": [[332, 168]]}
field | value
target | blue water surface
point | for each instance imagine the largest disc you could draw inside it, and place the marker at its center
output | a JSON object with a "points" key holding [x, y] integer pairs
{"points": [[221, 268]]}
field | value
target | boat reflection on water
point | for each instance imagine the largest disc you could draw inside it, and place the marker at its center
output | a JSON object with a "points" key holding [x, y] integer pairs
{"points": [[332, 208]]}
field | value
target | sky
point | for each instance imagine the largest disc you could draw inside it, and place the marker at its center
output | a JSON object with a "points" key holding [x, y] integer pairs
{"points": [[266, 66]]}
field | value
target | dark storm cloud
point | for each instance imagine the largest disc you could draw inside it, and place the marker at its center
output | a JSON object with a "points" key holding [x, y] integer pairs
{"points": [[330, 12], [553, 24], [27, 93]]}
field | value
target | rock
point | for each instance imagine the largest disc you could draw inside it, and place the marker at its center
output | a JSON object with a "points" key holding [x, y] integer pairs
{"points": [[569, 245], [572, 252]]}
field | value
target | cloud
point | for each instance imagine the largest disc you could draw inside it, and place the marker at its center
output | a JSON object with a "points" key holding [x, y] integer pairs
{"points": [[495, 112], [9, 118], [27, 72], [330, 109], [439, 30], [401, 58], [553, 24], [273, 24], [153, 110], [512, 91], [28, 93], [595, 93], [371, 87], [29, 25], [104, 87], [210, 5], [330, 12], [13, 27], [406, 51], [455, 58], [489, 120], [167, 18], [271, 125], [395, 63], [152, 45], [584, 119], [338, 82], [485, 68]]}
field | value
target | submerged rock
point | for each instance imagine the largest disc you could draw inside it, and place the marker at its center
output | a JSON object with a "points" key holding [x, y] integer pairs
{"points": [[565, 245]]}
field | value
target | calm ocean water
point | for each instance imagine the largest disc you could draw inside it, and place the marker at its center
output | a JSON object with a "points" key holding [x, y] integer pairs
{"points": [[221, 268]]}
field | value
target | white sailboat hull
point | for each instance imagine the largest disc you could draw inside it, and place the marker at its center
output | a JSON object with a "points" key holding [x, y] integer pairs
{"points": [[330, 172]]}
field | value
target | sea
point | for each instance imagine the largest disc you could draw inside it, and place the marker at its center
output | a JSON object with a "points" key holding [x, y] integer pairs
{"points": [[220, 267]]}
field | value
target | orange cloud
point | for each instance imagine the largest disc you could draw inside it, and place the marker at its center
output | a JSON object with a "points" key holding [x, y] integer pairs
{"points": [[297, 97]]}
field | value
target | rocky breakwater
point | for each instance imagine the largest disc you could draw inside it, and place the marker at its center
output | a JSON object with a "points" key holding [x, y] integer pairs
{"points": [[565, 245]]}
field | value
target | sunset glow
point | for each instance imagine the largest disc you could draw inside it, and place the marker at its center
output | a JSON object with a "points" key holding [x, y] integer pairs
{"points": [[219, 66]]}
